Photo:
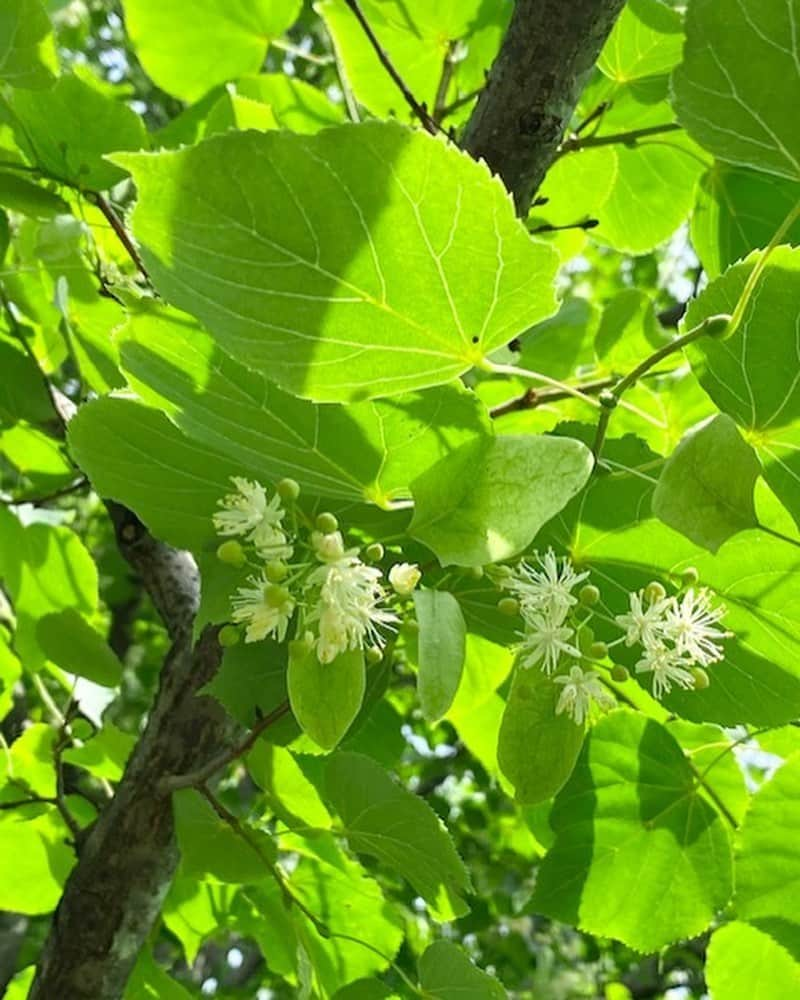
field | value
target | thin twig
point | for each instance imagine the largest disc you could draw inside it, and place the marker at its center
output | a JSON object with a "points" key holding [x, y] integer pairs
{"points": [[34, 800], [119, 229], [448, 65], [616, 138], [459, 102], [198, 778], [601, 109], [40, 500], [532, 398], [418, 108], [548, 227]]}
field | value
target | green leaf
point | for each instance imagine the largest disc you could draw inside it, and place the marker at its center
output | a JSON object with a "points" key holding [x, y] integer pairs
{"points": [[187, 56], [365, 989], [564, 342], [137, 456], [34, 862], [628, 331], [638, 855], [192, 912], [22, 195], [710, 750], [251, 683], [739, 210], [487, 501], [209, 846], [289, 792], [706, 487], [23, 394], [743, 961], [69, 641], [536, 748], [767, 862], [29, 764], [394, 263], [10, 673], [646, 40], [296, 105], [367, 450], [27, 48], [441, 650], [149, 981], [445, 972], [326, 697], [727, 102], [233, 111], [382, 819], [67, 130], [752, 375], [105, 754]]}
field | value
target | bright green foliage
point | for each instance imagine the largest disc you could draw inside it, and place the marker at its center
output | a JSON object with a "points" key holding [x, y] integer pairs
{"points": [[295, 104], [729, 104], [632, 802], [29, 764], [536, 749], [463, 517], [27, 52], [222, 39], [289, 792], [767, 871], [646, 40], [67, 130], [441, 650], [69, 641], [327, 719], [358, 202], [705, 489], [382, 819], [446, 972], [232, 111], [745, 961], [34, 861]]}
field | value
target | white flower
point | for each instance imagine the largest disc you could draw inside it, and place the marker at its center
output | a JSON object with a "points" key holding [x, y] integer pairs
{"points": [[349, 612], [579, 690], [247, 512], [264, 607], [548, 589], [328, 548], [545, 640], [644, 622], [691, 624], [667, 667], [404, 577]]}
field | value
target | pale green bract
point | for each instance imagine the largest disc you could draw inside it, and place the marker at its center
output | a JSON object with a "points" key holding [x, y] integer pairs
{"points": [[395, 263]]}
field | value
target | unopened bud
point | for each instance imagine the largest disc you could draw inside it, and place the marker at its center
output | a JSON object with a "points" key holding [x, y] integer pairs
{"points": [[288, 490], [607, 399], [619, 673], [374, 552], [654, 592], [508, 606], [232, 553], [326, 522], [689, 576], [276, 596], [276, 571], [589, 595], [228, 636], [476, 572], [598, 650], [404, 577], [701, 679], [373, 655]]}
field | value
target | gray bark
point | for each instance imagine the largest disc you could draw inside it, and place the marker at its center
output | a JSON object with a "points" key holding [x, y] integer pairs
{"points": [[546, 56]]}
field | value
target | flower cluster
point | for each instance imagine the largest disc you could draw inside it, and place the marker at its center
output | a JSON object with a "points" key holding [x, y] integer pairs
{"points": [[303, 574], [679, 635]]}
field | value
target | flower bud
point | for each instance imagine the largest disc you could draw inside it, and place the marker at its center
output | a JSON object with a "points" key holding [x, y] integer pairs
{"points": [[276, 596], [373, 655], [585, 640], [476, 572], [404, 577], [508, 606], [589, 595], [228, 636], [607, 399], [326, 522], [619, 673], [598, 650], [276, 571], [288, 490], [654, 592], [329, 547], [690, 576], [232, 553], [701, 679], [374, 552]]}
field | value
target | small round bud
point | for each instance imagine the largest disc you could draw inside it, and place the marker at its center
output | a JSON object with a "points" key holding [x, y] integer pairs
{"points": [[373, 655], [508, 606], [717, 326], [476, 572], [585, 640], [232, 553], [598, 650], [326, 522], [374, 552], [404, 577], [288, 490], [589, 595], [619, 673], [701, 679], [276, 596], [654, 592], [607, 399], [276, 571], [229, 636], [689, 576]]}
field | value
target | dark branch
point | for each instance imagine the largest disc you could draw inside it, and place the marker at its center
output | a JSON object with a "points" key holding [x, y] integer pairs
{"points": [[534, 85], [616, 138], [119, 229]]}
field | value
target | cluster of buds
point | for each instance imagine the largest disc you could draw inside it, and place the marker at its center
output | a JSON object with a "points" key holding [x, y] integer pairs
{"points": [[678, 634], [304, 576]]}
